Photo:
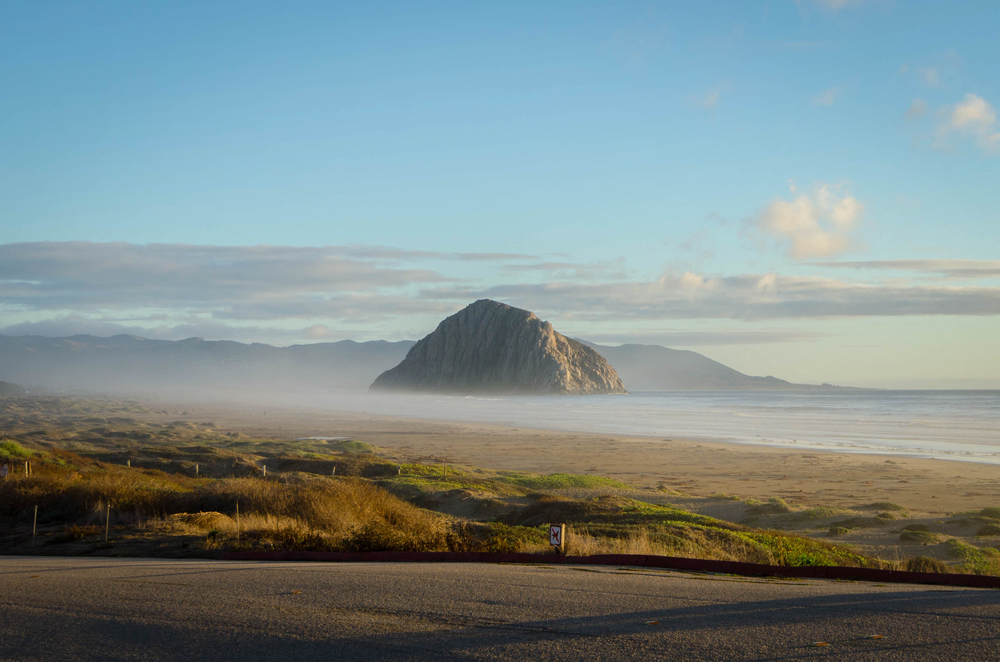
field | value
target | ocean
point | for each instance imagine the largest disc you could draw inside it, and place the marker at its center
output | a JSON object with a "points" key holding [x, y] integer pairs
{"points": [[956, 425]]}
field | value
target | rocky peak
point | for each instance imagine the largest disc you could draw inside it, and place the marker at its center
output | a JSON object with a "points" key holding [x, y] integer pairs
{"points": [[490, 347]]}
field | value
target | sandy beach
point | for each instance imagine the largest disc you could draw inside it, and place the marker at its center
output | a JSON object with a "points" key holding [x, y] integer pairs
{"points": [[696, 468]]}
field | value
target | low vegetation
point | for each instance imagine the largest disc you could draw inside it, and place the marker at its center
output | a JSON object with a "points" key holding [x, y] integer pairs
{"points": [[106, 480], [11, 450], [559, 481], [975, 560]]}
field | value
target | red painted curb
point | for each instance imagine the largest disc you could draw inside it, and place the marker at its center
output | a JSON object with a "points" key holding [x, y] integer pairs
{"points": [[671, 562]]}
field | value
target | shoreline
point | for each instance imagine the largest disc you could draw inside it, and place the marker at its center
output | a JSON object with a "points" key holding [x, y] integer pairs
{"points": [[693, 467], [898, 427]]}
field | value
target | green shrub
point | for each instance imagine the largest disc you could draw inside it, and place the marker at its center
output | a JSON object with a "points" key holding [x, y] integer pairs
{"points": [[774, 506], [796, 551], [11, 450], [991, 529], [992, 512], [975, 560], [839, 531], [723, 495], [880, 505], [509, 539], [351, 446], [916, 527], [918, 536], [559, 481], [820, 512], [926, 564], [858, 523]]}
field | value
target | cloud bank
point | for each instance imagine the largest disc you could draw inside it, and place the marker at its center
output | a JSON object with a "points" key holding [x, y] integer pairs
{"points": [[286, 294], [749, 297], [951, 269]]}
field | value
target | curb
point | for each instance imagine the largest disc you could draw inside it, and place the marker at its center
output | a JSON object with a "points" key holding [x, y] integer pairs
{"points": [[643, 561]]}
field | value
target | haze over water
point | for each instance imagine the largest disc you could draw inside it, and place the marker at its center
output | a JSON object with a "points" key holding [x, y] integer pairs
{"points": [[956, 425]]}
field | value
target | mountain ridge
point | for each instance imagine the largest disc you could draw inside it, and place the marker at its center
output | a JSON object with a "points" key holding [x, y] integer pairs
{"points": [[658, 368], [125, 363]]}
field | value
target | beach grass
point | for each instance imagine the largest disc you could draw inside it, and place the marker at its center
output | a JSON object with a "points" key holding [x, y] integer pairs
{"points": [[173, 489], [559, 481]]}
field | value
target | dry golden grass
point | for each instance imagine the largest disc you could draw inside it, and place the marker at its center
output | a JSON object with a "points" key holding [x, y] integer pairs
{"points": [[636, 543], [693, 543], [306, 512]]}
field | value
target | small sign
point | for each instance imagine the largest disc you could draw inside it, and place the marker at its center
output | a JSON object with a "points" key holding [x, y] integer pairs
{"points": [[556, 535], [3, 471]]}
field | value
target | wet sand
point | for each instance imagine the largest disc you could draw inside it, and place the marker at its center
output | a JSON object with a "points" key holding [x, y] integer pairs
{"points": [[697, 468]]}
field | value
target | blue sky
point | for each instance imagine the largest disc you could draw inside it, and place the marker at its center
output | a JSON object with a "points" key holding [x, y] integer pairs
{"points": [[806, 189]]}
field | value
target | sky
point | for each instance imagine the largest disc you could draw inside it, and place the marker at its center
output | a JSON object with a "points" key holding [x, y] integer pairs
{"points": [[807, 189]]}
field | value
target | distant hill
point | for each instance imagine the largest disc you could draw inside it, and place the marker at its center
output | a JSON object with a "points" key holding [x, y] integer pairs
{"points": [[490, 347], [8, 390], [656, 368], [130, 364], [195, 367]]}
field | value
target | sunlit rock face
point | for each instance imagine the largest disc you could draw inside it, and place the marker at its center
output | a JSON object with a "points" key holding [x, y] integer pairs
{"points": [[490, 347]]}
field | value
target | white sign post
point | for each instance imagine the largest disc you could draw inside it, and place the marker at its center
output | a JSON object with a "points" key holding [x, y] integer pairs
{"points": [[557, 537]]}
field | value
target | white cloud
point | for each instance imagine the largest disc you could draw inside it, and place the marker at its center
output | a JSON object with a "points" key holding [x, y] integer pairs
{"points": [[973, 117], [827, 97], [918, 108], [930, 75], [817, 225]]}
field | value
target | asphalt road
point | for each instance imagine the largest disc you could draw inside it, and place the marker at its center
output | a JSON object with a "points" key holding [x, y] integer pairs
{"points": [[141, 609]]}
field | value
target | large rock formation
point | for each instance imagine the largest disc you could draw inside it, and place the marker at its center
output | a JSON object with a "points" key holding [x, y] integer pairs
{"points": [[490, 347]]}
